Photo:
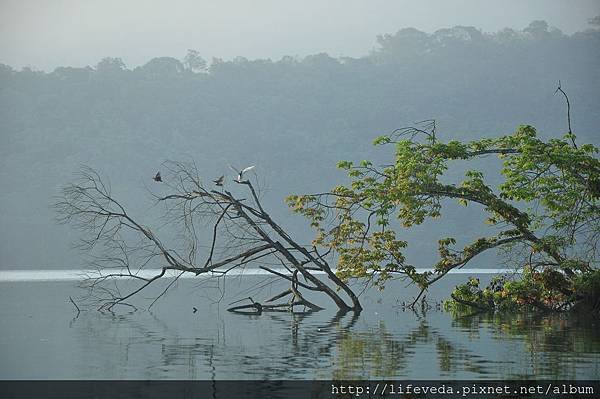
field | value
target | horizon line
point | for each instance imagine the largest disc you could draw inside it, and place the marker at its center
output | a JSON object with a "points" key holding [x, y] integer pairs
{"points": [[38, 275]]}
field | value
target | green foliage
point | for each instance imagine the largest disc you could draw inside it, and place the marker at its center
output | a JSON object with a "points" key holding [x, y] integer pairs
{"points": [[547, 203], [545, 289]]}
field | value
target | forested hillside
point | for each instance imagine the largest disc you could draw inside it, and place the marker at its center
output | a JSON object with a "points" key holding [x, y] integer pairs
{"points": [[293, 118]]}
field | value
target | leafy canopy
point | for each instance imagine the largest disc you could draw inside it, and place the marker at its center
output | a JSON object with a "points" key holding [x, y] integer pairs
{"points": [[546, 202]]}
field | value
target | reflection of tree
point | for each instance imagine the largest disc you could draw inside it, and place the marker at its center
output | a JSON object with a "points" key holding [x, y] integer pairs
{"points": [[307, 344], [552, 341], [379, 353], [208, 356], [375, 352], [301, 346]]}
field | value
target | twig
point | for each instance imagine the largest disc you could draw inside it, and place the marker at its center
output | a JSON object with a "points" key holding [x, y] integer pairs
{"points": [[559, 89], [74, 304]]}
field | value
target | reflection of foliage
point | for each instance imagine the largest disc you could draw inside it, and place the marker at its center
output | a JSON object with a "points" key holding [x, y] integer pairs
{"points": [[379, 353], [547, 203], [347, 346], [551, 340], [386, 356]]}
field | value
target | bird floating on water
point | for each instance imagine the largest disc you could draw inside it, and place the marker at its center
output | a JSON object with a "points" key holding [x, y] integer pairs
{"points": [[157, 177], [241, 172], [219, 181]]}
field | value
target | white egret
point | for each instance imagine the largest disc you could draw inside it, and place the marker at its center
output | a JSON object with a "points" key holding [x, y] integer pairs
{"points": [[240, 173]]}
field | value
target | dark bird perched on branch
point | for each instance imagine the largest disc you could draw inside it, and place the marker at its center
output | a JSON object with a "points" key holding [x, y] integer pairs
{"points": [[240, 173], [219, 181], [157, 177]]}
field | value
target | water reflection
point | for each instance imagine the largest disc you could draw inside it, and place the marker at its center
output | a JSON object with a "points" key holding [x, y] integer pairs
{"points": [[381, 354], [295, 347], [554, 343], [42, 339], [349, 346]]}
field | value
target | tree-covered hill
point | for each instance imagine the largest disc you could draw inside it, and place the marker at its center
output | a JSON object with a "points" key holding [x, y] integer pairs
{"points": [[293, 118]]}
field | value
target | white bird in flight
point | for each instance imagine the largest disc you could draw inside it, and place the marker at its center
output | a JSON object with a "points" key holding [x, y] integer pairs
{"points": [[240, 173]]}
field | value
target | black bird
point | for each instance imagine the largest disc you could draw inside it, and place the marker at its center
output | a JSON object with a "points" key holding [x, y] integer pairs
{"points": [[157, 177], [219, 181], [194, 309]]}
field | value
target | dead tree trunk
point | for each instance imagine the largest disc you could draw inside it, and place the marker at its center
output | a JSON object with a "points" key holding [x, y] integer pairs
{"points": [[238, 232]]}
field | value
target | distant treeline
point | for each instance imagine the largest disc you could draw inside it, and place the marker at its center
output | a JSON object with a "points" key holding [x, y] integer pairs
{"points": [[294, 118]]}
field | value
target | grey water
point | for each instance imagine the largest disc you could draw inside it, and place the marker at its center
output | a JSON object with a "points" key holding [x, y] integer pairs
{"points": [[42, 337]]}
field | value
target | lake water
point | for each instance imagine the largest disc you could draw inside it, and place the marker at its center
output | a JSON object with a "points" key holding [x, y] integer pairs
{"points": [[41, 338]]}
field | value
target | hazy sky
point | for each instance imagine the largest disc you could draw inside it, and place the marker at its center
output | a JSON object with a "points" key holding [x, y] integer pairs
{"points": [[44, 34]]}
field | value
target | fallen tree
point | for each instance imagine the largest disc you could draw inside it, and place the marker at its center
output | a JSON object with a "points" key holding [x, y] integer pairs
{"points": [[544, 215], [238, 232]]}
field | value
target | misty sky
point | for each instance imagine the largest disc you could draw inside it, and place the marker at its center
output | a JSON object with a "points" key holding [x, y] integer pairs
{"points": [[44, 34]]}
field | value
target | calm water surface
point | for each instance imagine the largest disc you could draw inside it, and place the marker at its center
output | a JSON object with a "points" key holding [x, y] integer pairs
{"points": [[42, 339]]}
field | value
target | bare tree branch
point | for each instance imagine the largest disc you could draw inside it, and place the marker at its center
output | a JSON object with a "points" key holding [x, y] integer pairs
{"points": [[238, 232]]}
